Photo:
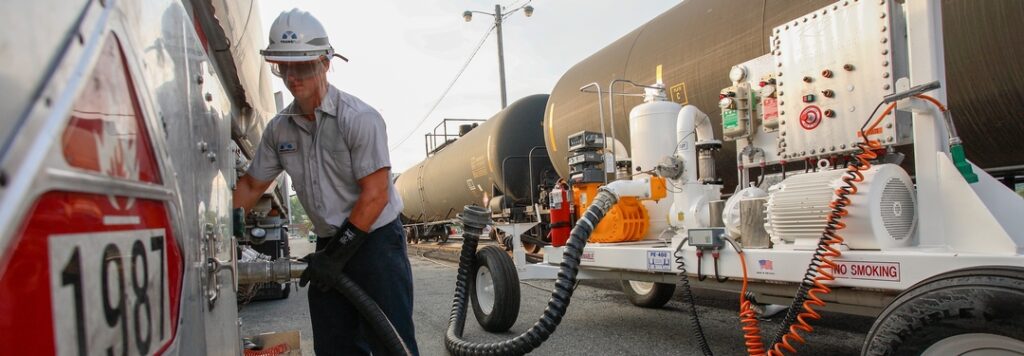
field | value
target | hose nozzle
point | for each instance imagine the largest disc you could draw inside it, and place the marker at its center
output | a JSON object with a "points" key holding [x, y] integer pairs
{"points": [[956, 152]]}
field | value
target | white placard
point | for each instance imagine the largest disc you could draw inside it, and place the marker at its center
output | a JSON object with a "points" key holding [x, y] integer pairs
{"points": [[109, 292]]}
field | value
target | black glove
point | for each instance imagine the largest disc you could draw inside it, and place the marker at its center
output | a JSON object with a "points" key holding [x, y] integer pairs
{"points": [[331, 260]]}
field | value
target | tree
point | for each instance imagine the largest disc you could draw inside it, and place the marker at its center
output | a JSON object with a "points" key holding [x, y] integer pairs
{"points": [[299, 216]]}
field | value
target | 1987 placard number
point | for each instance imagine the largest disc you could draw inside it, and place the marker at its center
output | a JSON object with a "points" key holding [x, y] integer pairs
{"points": [[109, 292]]}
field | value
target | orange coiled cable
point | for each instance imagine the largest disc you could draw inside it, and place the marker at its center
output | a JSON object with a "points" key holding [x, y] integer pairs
{"points": [[751, 332], [823, 272]]}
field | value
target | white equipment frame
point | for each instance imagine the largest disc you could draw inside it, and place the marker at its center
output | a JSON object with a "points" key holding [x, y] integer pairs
{"points": [[960, 225]]}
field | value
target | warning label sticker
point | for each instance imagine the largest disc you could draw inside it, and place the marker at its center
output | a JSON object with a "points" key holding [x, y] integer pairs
{"points": [[876, 271], [588, 256], [659, 261]]}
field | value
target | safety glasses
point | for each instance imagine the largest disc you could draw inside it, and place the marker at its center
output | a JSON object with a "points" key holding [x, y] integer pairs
{"points": [[300, 70]]}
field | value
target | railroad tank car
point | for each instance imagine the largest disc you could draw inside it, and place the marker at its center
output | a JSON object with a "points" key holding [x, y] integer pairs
{"points": [[492, 161], [697, 41]]}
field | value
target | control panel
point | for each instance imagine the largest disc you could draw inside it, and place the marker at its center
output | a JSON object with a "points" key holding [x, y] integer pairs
{"points": [[707, 239], [737, 103], [586, 157], [827, 88], [768, 105]]}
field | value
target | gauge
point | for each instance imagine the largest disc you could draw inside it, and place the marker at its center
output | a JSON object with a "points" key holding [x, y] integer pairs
{"points": [[725, 102], [258, 232], [737, 73]]}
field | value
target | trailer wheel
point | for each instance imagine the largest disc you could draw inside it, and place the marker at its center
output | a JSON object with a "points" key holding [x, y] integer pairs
{"points": [[494, 290], [961, 312], [648, 294]]}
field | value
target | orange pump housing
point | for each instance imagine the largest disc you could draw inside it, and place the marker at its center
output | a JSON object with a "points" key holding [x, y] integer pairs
{"points": [[626, 221]]}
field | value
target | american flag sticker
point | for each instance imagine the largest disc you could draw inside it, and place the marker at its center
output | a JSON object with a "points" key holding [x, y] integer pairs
{"points": [[765, 265]]}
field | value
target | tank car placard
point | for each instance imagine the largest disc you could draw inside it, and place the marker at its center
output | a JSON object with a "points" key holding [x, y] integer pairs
{"points": [[659, 261], [109, 292]]}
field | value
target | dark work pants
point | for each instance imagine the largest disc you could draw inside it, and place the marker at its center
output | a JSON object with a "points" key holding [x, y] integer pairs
{"points": [[381, 268]]}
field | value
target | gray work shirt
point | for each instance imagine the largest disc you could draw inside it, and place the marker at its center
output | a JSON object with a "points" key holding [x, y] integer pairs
{"points": [[326, 157]]}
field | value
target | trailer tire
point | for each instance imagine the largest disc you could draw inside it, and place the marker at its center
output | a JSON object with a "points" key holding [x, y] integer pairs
{"points": [[648, 294], [974, 309], [494, 289]]}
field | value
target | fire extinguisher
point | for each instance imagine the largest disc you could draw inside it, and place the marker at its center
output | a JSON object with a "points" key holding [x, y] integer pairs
{"points": [[561, 217]]}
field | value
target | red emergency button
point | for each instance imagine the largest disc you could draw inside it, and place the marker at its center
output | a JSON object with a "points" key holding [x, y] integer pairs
{"points": [[810, 117]]}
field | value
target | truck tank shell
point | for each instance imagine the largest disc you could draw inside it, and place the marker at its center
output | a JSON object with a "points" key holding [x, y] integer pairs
{"points": [[698, 41], [170, 90], [493, 154]]}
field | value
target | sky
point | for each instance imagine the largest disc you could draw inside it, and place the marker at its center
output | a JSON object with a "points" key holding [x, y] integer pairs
{"points": [[404, 53]]}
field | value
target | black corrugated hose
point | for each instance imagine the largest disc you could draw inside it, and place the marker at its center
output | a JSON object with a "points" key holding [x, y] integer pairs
{"points": [[696, 328], [386, 333], [330, 257], [474, 219], [334, 256]]}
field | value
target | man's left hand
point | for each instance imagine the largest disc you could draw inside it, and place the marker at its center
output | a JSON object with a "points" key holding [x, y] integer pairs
{"points": [[324, 264]]}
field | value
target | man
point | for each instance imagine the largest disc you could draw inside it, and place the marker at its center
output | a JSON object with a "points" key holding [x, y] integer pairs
{"points": [[334, 147]]}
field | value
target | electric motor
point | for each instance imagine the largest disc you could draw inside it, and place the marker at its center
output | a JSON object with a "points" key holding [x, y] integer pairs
{"points": [[882, 213]]}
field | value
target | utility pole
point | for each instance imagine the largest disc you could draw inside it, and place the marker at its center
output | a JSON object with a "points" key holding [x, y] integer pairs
{"points": [[501, 55]]}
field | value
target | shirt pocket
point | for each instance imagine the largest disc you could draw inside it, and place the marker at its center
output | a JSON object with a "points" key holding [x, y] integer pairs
{"points": [[331, 138], [340, 165], [336, 154], [293, 164], [335, 144]]}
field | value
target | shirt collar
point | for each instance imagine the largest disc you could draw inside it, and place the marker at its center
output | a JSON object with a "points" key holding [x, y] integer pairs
{"points": [[296, 118], [328, 107], [329, 104]]}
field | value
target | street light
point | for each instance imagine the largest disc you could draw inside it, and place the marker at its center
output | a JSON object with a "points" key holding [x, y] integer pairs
{"points": [[498, 17]]}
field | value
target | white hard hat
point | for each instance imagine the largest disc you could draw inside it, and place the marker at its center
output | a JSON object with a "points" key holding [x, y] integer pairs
{"points": [[297, 36]]}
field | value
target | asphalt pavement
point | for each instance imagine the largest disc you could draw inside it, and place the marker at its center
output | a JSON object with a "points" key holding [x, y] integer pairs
{"points": [[600, 320]]}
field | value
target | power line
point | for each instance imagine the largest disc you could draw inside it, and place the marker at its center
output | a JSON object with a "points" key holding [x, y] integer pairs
{"points": [[513, 4], [445, 93], [520, 2]]}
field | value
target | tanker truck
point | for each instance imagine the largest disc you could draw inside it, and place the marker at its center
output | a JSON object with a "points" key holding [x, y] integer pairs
{"points": [[125, 125]]}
